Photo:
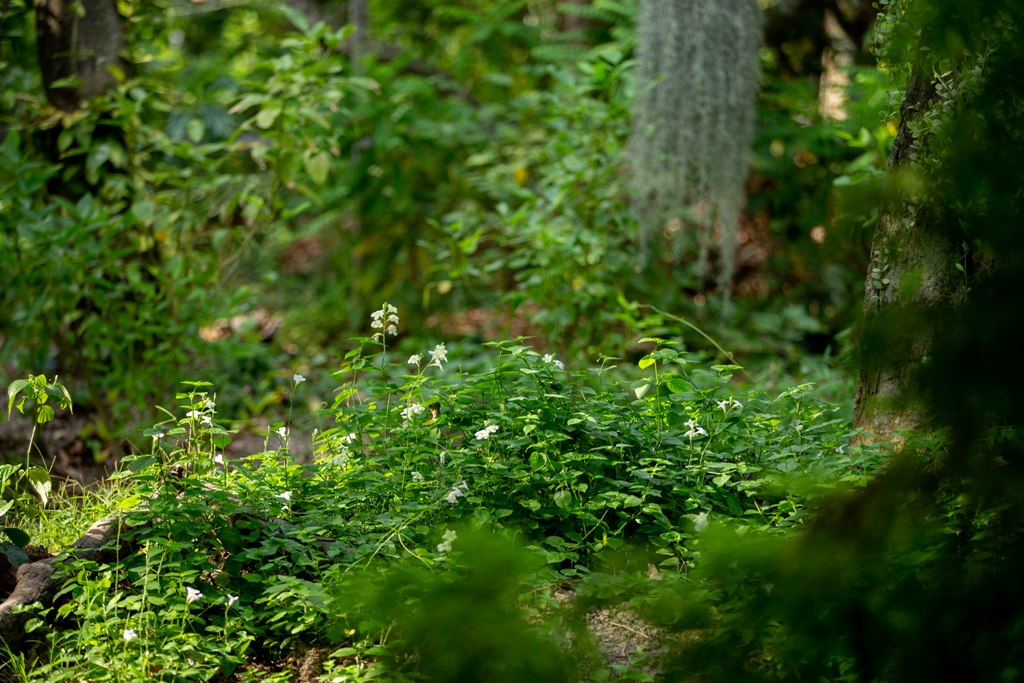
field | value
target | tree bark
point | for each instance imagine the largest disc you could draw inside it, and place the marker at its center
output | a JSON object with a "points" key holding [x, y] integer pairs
{"points": [[912, 277], [83, 46]]}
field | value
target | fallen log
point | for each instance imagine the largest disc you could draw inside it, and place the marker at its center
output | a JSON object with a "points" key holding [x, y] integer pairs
{"points": [[36, 581]]}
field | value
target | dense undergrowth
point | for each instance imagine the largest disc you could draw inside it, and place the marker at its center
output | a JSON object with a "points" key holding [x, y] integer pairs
{"points": [[441, 511]]}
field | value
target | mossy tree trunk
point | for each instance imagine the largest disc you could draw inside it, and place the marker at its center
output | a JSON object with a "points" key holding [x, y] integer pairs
{"points": [[913, 281], [82, 41]]}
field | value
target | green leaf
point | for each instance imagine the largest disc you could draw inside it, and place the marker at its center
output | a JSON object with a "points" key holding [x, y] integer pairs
{"points": [[563, 498], [39, 480], [17, 536], [15, 555], [195, 129], [13, 390], [5, 507], [646, 362], [317, 166], [44, 414], [266, 118]]}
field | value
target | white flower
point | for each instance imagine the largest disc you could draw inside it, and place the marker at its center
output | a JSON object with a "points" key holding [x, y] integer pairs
{"points": [[445, 546], [550, 359], [218, 459], [416, 476], [282, 431], [232, 599], [440, 458], [412, 411], [158, 435], [194, 414], [456, 493], [691, 423], [286, 496], [207, 420], [349, 438], [700, 522], [415, 359], [438, 355], [129, 635], [695, 431], [385, 319], [486, 432], [191, 595], [798, 427], [298, 379], [729, 403]]}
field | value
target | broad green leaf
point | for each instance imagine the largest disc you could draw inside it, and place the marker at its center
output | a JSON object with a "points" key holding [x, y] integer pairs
{"points": [[19, 537], [641, 391], [266, 118], [39, 479], [195, 129], [317, 166], [13, 390], [15, 555], [563, 498], [646, 362]]}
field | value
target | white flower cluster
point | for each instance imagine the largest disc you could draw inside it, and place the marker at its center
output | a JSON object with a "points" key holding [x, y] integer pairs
{"points": [[728, 404], [445, 546], [438, 355], [550, 359], [457, 492], [412, 411], [191, 595], [486, 432], [386, 319], [695, 429], [298, 379]]}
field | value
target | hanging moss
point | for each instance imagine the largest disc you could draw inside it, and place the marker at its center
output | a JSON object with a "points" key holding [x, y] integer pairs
{"points": [[693, 124]]}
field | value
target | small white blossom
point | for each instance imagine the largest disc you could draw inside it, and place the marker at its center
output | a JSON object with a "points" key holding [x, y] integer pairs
{"points": [[550, 359], [129, 635], [727, 404], [440, 458], [700, 522], [298, 379], [416, 476], [207, 420], [158, 435], [438, 355], [191, 595], [486, 432], [282, 431], [232, 599], [415, 359], [445, 546], [385, 319], [457, 492], [286, 496], [218, 459], [193, 414], [695, 431], [412, 411], [797, 426]]}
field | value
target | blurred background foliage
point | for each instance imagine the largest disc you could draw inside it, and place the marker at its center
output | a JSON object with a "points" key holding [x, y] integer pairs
{"points": [[264, 174]]}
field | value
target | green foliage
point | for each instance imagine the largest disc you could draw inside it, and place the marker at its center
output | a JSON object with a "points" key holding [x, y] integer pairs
{"points": [[230, 561]]}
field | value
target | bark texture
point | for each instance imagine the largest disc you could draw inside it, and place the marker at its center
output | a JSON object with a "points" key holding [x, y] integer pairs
{"points": [[37, 583], [911, 278], [86, 47]]}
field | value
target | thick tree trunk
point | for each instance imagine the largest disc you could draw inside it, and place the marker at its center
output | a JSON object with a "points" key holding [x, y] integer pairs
{"points": [[912, 277], [82, 46]]}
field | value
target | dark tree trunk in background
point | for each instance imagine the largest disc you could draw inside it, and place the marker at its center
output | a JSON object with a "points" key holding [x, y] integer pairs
{"points": [[86, 47], [912, 283]]}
